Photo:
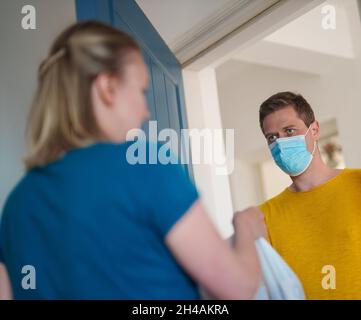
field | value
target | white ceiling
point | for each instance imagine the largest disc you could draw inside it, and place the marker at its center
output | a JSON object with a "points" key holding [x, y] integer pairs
{"points": [[306, 32], [174, 18], [304, 46]]}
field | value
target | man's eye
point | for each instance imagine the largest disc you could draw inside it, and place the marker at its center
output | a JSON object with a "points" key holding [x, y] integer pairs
{"points": [[290, 131], [272, 138]]}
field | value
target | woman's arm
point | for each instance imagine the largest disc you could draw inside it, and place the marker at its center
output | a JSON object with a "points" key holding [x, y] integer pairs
{"points": [[5, 287], [224, 272]]}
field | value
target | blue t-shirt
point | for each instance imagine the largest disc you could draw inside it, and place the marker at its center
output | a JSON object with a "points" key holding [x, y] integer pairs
{"points": [[93, 227]]}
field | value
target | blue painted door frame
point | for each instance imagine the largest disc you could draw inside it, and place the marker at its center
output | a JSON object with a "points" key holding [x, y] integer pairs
{"points": [[165, 96]]}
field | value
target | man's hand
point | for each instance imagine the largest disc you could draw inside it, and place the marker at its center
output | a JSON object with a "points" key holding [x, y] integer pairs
{"points": [[250, 220]]}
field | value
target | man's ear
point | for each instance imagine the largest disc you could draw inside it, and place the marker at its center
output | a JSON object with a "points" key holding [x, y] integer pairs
{"points": [[105, 85], [316, 130]]}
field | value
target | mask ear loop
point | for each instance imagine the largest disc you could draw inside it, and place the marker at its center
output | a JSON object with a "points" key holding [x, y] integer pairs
{"points": [[308, 130], [314, 143], [314, 147]]}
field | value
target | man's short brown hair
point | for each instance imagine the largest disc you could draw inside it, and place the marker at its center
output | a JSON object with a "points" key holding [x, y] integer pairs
{"points": [[285, 99]]}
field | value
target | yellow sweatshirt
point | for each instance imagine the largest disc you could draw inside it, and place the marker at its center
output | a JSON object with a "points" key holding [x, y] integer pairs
{"points": [[318, 233]]}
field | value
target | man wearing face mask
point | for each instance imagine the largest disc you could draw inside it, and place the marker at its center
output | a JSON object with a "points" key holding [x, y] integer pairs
{"points": [[315, 223]]}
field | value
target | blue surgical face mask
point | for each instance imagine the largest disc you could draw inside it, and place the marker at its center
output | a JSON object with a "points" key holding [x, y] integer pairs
{"points": [[291, 154]]}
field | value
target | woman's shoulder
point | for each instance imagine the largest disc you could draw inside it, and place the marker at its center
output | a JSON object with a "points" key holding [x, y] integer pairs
{"points": [[131, 152]]}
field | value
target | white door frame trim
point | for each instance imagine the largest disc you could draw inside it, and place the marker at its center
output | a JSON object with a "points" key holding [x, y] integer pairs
{"points": [[257, 28], [217, 27]]}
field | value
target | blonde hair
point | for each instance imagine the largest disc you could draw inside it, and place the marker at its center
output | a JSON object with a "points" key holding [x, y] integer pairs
{"points": [[61, 116]]}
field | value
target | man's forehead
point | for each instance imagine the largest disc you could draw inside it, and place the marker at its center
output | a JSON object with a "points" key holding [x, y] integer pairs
{"points": [[280, 119]]}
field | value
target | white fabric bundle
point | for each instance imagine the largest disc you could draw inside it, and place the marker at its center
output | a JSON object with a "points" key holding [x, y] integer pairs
{"points": [[279, 281]]}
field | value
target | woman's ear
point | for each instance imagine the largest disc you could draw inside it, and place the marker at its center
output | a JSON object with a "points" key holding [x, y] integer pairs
{"points": [[105, 85]]}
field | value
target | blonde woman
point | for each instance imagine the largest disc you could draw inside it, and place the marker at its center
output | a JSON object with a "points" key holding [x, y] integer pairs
{"points": [[87, 223]]}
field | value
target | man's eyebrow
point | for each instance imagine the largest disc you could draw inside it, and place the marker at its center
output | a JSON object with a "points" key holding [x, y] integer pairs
{"points": [[275, 133], [288, 126]]}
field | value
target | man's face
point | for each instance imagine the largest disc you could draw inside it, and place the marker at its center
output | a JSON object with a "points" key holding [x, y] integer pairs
{"points": [[286, 123]]}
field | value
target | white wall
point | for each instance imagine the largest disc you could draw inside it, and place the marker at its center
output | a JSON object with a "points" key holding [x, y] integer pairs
{"points": [[245, 185], [202, 105], [20, 54], [274, 180]]}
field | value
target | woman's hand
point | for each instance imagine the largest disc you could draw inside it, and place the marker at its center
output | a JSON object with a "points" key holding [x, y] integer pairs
{"points": [[250, 220]]}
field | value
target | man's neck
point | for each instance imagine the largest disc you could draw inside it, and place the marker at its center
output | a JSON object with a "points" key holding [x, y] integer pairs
{"points": [[316, 174]]}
